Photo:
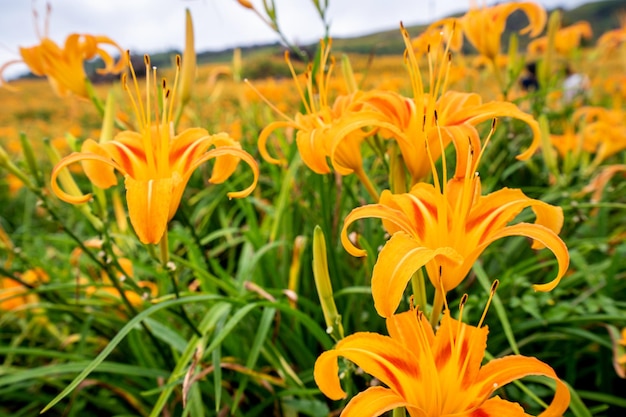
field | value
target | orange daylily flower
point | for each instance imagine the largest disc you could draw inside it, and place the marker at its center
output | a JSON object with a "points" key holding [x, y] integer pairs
{"points": [[419, 120], [483, 27], [571, 142], [431, 374], [612, 39], [565, 41], [64, 66], [14, 295], [156, 163], [598, 184], [445, 227], [319, 130], [439, 34], [604, 129], [327, 131]]}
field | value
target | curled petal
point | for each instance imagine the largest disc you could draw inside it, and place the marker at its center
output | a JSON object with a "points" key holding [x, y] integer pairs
{"points": [[541, 234], [262, 140], [372, 210], [378, 355], [224, 165], [497, 407], [70, 159], [3, 68], [497, 209], [537, 17], [499, 372], [100, 174], [478, 113], [227, 151], [398, 260], [374, 401]]}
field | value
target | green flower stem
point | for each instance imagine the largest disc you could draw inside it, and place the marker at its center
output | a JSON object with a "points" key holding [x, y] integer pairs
{"points": [[418, 284], [171, 272], [399, 412], [437, 307]]}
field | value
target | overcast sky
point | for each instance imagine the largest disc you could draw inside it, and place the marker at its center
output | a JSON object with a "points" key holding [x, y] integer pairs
{"points": [[158, 25]]}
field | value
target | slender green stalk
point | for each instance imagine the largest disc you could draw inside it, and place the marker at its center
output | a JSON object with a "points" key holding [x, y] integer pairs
{"points": [[171, 272], [437, 307], [418, 283]]}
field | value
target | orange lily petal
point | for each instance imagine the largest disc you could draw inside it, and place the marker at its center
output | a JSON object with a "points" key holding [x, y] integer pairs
{"points": [[233, 152], [100, 174], [378, 355], [398, 260], [431, 374], [544, 236], [499, 372], [264, 136], [497, 407], [70, 159], [374, 401], [148, 207], [372, 210]]}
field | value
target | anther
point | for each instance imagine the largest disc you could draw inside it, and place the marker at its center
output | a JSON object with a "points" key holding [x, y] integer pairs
{"points": [[494, 287], [463, 301], [178, 61], [146, 60]]}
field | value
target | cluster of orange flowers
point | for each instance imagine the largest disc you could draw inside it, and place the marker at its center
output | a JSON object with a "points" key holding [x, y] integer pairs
{"points": [[443, 226], [430, 366], [156, 162]]}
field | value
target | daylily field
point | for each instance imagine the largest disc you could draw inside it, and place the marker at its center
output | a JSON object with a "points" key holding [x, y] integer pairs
{"points": [[438, 233]]}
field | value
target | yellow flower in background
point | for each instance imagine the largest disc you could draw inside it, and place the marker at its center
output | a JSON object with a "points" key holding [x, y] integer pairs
{"points": [[431, 374], [14, 295], [105, 288], [445, 227], [439, 34], [612, 39], [64, 65], [571, 143], [156, 163], [598, 184], [566, 39], [604, 130], [319, 129], [484, 26], [327, 131]]}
